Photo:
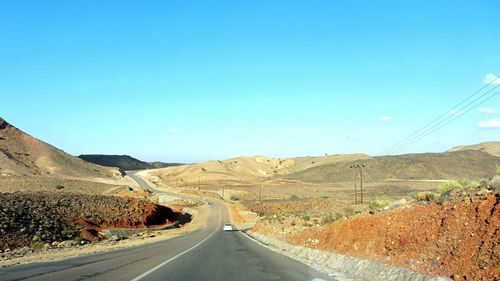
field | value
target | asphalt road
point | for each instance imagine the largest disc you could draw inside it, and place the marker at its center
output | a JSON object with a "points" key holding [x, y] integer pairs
{"points": [[206, 254]]}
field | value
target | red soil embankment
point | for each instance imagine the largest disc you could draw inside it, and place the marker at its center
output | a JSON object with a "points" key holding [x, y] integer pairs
{"points": [[460, 239]]}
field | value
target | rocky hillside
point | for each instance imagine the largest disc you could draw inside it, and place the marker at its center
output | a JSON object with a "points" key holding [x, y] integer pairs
{"points": [[28, 219], [124, 162], [462, 163], [492, 147], [22, 154], [425, 166]]}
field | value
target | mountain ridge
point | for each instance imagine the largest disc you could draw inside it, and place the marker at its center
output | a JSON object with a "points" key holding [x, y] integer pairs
{"points": [[124, 162], [491, 147], [22, 154]]}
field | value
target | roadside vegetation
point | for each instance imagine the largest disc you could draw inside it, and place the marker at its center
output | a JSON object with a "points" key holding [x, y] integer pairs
{"points": [[467, 209], [378, 204], [47, 219]]}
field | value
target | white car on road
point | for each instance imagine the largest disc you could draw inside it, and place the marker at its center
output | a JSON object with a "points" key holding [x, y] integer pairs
{"points": [[228, 227]]}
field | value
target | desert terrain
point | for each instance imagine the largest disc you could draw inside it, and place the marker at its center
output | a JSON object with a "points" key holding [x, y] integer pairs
{"points": [[53, 201], [408, 218], [432, 213]]}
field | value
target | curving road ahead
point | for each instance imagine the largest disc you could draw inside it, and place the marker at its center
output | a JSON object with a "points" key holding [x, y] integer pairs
{"points": [[205, 254]]}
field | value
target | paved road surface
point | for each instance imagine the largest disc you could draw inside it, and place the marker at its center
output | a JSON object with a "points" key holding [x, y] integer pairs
{"points": [[206, 254]]}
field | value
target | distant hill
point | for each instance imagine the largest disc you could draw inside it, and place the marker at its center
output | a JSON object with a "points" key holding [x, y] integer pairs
{"points": [[492, 147], [22, 154], [425, 166], [124, 162], [250, 168], [474, 164]]}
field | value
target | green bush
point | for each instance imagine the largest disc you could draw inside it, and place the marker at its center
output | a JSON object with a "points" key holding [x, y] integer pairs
{"points": [[448, 186], [377, 204], [495, 182], [294, 197], [338, 216], [327, 219], [426, 196], [348, 211], [234, 198], [37, 245], [69, 231], [306, 217], [78, 240], [466, 183], [443, 198], [484, 183]]}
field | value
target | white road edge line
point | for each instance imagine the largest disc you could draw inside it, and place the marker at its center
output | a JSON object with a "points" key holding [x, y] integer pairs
{"points": [[180, 254]]}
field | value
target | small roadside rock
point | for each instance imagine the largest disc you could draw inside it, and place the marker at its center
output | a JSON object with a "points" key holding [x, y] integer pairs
{"points": [[483, 192], [67, 243], [115, 238], [396, 204]]}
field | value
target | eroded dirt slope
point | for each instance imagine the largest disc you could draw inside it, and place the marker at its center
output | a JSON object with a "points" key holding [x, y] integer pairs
{"points": [[28, 219], [459, 239]]}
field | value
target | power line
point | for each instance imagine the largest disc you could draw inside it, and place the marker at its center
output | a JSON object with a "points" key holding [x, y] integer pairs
{"points": [[427, 127], [451, 116], [442, 115], [366, 175], [449, 121]]}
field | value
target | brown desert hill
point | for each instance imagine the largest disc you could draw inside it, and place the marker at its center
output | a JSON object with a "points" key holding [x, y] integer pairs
{"points": [[474, 164], [248, 168], [24, 155], [425, 166], [491, 147]]}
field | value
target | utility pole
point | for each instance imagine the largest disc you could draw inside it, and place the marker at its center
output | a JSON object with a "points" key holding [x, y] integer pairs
{"points": [[361, 181], [260, 192], [360, 167], [355, 187]]}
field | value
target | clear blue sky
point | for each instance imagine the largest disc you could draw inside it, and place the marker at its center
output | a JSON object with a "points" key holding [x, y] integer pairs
{"points": [[196, 80]]}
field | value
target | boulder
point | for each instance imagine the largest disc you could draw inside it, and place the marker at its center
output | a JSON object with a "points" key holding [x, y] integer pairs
{"points": [[67, 243], [89, 234]]}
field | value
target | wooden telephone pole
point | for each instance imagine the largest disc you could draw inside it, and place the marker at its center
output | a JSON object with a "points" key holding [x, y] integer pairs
{"points": [[355, 186], [360, 167], [260, 193]]}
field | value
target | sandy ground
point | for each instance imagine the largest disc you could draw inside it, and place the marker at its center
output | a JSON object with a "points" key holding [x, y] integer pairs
{"points": [[199, 213]]}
